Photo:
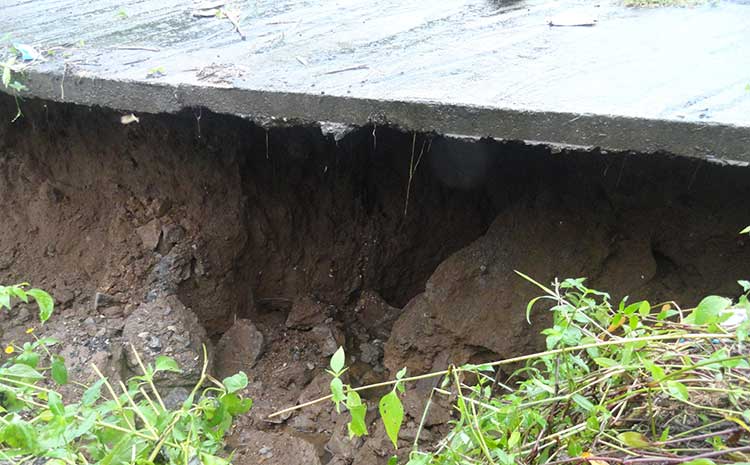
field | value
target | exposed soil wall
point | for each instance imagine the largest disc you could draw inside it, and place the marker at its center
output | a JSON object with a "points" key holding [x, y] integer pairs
{"points": [[310, 242]]}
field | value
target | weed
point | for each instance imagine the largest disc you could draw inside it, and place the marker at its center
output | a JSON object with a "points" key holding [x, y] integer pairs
{"points": [[111, 424], [627, 384]]}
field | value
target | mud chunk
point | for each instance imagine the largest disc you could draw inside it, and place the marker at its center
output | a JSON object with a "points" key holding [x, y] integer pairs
{"points": [[238, 349], [375, 315], [327, 338], [165, 327], [274, 449], [371, 352], [465, 311], [150, 233], [102, 300], [171, 234], [63, 297], [306, 312]]}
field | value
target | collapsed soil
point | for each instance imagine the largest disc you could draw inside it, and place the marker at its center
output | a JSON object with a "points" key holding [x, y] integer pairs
{"points": [[171, 231]]}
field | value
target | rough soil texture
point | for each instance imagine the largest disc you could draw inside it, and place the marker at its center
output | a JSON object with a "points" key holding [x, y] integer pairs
{"points": [[275, 246]]}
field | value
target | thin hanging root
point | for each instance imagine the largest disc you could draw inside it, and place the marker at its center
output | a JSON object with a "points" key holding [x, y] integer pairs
{"points": [[413, 167]]}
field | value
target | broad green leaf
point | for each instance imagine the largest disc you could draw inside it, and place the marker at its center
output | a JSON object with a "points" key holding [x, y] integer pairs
{"points": [[19, 292], [357, 426], [59, 371], [337, 392], [338, 360], [745, 285], [164, 363], [19, 434], [28, 357], [393, 460], [92, 394], [709, 310], [605, 362], [4, 298], [235, 382], [644, 308], [678, 390], [20, 370], [515, 436], [207, 459], [44, 301], [235, 405], [392, 414], [54, 401], [633, 439], [583, 402]]}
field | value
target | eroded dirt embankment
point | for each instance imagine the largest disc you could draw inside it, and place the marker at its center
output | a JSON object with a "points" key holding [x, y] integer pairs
{"points": [[171, 231]]}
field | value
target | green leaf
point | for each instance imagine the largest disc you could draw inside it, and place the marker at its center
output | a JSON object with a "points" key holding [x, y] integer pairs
{"points": [[644, 308], [235, 382], [92, 394], [709, 310], [747, 228], [235, 405], [392, 414], [401, 373], [59, 371], [44, 301], [357, 426], [633, 439], [394, 460], [4, 298], [207, 459], [583, 402], [19, 434], [515, 436], [605, 362], [338, 360], [20, 370], [337, 392], [745, 285], [164, 363], [54, 401], [678, 390], [28, 357]]}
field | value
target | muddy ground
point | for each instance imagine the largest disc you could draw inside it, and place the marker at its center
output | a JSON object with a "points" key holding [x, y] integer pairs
{"points": [[277, 245]]}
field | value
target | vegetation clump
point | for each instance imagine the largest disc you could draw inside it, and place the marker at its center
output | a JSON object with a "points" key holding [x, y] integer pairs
{"points": [[111, 424], [632, 383]]}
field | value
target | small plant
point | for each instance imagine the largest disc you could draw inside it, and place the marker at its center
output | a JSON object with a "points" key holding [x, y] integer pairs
{"points": [[627, 384], [123, 423]]}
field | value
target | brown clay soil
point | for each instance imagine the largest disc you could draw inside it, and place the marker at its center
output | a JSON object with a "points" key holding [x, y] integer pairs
{"points": [[168, 232]]}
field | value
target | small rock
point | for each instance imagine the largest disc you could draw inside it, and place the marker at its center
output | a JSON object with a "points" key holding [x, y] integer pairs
{"points": [[112, 311], [371, 352], [150, 233], [327, 339], [239, 348], [171, 234], [306, 313], [64, 297], [154, 344], [102, 300]]}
